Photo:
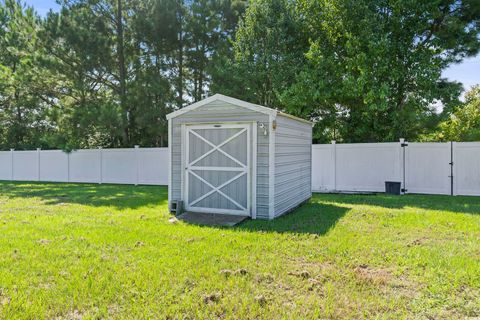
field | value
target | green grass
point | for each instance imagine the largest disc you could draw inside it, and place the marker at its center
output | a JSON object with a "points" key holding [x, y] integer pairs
{"points": [[72, 251]]}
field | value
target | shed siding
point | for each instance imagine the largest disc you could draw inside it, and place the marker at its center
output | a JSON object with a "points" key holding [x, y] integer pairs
{"points": [[220, 111], [293, 165]]}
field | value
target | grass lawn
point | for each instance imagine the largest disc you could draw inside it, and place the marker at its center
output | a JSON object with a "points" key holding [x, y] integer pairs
{"points": [[79, 251]]}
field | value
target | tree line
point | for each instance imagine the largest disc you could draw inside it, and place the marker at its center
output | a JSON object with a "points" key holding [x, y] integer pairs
{"points": [[106, 72]]}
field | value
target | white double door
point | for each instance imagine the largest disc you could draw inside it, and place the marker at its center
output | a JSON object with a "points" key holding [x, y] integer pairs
{"points": [[218, 168]]}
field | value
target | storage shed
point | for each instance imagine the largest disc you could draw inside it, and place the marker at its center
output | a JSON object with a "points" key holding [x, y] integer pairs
{"points": [[229, 156]]}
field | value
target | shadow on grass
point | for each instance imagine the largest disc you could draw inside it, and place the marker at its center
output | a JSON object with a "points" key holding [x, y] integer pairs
{"points": [[118, 196], [318, 216], [314, 217], [323, 211], [457, 204]]}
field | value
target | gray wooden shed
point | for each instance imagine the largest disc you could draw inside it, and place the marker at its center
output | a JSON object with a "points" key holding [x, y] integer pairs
{"points": [[233, 157]]}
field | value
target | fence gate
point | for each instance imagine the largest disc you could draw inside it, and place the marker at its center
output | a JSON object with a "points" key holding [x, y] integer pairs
{"points": [[466, 168], [428, 168], [218, 168]]}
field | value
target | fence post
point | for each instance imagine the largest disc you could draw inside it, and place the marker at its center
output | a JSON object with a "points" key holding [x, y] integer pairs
{"points": [[453, 174], [11, 160], [68, 166], [100, 180], [403, 144], [334, 154], [38, 164], [136, 150]]}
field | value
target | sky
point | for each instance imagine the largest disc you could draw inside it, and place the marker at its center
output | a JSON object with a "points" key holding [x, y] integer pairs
{"points": [[43, 6], [466, 72]]}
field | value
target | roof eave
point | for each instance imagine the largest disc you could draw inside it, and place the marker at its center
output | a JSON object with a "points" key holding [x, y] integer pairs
{"points": [[295, 118]]}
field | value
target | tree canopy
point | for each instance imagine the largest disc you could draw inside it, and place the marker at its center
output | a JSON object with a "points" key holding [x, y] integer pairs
{"points": [[106, 72], [367, 70], [463, 124]]}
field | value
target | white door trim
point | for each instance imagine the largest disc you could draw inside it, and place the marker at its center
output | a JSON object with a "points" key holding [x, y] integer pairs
{"points": [[189, 165]]}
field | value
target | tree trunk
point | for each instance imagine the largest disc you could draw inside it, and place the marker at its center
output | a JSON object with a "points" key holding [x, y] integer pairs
{"points": [[180, 57], [195, 85], [201, 67], [180, 72], [122, 73]]}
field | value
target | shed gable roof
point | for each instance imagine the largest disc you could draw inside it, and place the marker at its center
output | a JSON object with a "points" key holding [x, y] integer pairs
{"points": [[221, 97], [234, 101]]}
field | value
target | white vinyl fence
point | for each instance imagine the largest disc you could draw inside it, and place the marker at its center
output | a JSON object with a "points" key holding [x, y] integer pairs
{"points": [[125, 166], [355, 167], [466, 159], [430, 168], [420, 167]]}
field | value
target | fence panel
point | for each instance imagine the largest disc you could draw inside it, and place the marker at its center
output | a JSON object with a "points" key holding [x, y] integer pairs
{"points": [[5, 165], [53, 166], [85, 166], [466, 161], [366, 166], [153, 166], [323, 167], [427, 168], [119, 166], [25, 165]]}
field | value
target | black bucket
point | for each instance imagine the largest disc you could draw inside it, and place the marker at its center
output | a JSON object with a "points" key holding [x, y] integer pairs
{"points": [[392, 187]]}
